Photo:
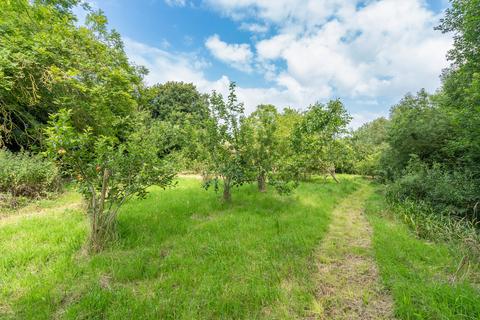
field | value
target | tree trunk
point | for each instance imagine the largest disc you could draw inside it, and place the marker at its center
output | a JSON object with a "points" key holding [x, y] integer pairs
{"points": [[102, 226], [227, 196], [261, 182], [332, 173]]}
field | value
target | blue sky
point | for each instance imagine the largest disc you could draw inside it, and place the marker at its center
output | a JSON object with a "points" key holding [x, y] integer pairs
{"points": [[289, 52]]}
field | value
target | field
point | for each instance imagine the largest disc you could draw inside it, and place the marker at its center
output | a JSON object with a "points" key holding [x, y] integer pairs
{"points": [[184, 254]]}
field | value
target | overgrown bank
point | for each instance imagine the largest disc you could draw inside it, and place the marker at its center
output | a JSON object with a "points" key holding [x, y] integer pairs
{"points": [[436, 278]]}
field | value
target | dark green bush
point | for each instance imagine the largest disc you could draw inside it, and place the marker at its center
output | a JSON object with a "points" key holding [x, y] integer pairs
{"points": [[27, 175], [447, 191]]}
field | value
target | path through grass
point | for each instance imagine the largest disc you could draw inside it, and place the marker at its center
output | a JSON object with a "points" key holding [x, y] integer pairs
{"points": [[348, 285]]}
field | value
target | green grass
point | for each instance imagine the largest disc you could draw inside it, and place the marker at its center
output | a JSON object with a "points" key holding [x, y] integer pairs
{"points": [[182, 254], [419, 273]]}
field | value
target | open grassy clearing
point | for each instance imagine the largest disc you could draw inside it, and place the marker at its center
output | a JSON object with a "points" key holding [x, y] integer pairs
{"points": [[182, 254], [422, 276]]}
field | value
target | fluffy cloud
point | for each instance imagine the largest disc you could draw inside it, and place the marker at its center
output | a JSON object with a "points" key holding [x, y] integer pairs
{"points": [[384, 48], [254, 27], [315, 50], [238, 56], [165, 66]]}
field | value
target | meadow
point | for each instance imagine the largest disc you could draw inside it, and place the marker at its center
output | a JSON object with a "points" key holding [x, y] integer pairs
{"points": [[184, 254]]}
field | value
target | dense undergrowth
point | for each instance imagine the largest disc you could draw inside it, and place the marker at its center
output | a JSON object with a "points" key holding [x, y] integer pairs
{"points": [[26, 176]]}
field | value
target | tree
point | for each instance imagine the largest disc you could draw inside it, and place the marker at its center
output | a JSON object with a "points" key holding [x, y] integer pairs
{"points": [[225, 142], [110, 171], [461, 83], [418, 127], [368, 144], [263, 149], [182, 105], [315, 138], [434, 141], [47, 62], [176, 102]]}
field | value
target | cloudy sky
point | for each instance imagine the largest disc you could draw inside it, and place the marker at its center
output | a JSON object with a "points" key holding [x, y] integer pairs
{"points": [[289, 52]]}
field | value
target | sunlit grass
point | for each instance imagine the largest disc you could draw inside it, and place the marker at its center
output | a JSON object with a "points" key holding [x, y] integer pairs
{"points": [[420, 274], [181, 254]]}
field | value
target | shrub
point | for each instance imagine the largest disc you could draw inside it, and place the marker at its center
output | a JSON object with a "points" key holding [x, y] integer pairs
{"points": [[110, 171], [28, 175], [447, 191]]}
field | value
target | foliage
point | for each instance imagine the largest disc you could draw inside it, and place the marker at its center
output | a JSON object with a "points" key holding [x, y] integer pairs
{"points": [[110, 171], [451, 193], [316, 138], [417, 128], [433, 140], [367, 145], [176, 102], [181, 104], [268, 164], [48, 62], [225, 142], [425, 221], [25, 174], [263, 147], [427, 280]]}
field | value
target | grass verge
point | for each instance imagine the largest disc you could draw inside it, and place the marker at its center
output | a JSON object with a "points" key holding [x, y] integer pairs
{"points": [[424, 277]]}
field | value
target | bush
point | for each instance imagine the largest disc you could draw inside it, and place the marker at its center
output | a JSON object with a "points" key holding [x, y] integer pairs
{"points": [[27, 175], [438, 203], [448, 192]]}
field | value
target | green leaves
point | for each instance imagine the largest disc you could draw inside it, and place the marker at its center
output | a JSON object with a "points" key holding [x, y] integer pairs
{"points": [[314, 138], [49, 63], [224, 141]]}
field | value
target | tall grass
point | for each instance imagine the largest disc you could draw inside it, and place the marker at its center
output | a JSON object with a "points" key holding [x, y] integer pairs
{"points": [[428, 280], [183, 254]]}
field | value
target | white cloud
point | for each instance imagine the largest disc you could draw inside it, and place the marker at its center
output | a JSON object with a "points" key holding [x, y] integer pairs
{"points": [[238, 56], [176, 3], [165, 66], [254, 27], [384, 48], [362, 51]]}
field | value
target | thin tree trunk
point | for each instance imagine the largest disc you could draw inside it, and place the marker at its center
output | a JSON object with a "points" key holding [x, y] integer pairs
{"points": [[261, 182], [332, 173], [101, 232], [227, 196]]}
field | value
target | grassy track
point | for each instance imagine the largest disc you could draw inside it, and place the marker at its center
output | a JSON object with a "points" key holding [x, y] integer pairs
{"points": [[420, 274], [182, 255], [347, 275]]}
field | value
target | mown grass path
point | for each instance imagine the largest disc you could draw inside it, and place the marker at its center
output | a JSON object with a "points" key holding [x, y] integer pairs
{"points": [[348, 285]]}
